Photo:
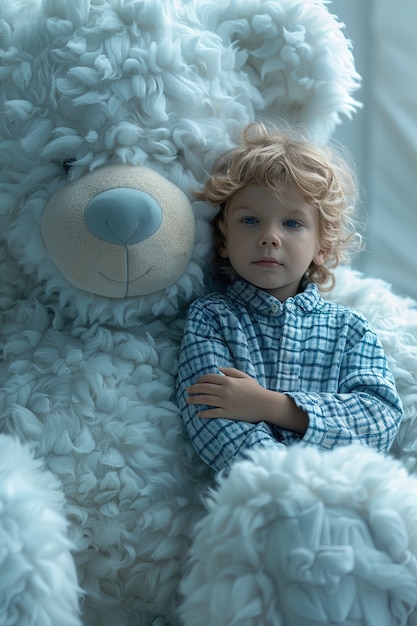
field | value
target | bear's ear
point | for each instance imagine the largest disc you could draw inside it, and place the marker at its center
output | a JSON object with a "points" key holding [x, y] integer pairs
{"points": [[295, 55]]}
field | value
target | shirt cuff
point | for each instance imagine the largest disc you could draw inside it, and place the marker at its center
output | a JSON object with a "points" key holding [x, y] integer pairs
{"points": [[317, 432]]}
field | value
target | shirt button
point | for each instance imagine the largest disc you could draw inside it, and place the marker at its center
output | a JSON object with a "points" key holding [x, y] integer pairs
{"points": [[274, 307]]}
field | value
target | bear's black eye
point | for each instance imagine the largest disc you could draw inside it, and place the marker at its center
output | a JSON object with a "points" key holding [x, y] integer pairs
{"points": [[67, 164]]}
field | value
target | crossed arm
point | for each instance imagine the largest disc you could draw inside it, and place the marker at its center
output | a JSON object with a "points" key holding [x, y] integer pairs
{"points": [[235, 395], [228, 411]]}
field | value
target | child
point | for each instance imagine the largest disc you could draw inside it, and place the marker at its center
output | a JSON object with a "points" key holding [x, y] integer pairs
{"points": [[269, 362]]}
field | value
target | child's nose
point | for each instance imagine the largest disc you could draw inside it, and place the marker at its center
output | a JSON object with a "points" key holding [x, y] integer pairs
{"points": [[270, 237]]}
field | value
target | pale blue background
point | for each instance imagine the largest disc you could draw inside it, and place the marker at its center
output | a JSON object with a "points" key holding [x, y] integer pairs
{"points": [[383, 136]]}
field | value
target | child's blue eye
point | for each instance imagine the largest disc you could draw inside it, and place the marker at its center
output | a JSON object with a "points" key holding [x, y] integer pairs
{"points": [[292, 224], [249, 220]]}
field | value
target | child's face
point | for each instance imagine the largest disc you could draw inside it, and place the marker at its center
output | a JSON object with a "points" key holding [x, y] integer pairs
{"points": [[271, 241]]}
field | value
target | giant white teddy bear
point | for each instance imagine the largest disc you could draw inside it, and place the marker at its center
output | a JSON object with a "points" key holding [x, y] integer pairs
{"points": [[112, 113]]}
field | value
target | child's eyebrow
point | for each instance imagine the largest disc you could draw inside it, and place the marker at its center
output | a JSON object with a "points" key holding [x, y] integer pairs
{"points": [[297, 210], [245, 207]]}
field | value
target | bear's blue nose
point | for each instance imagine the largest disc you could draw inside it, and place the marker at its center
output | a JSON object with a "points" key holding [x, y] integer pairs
{"points": [[123, 216]]}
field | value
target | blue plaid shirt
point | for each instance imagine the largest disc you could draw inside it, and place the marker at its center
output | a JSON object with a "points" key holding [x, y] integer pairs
{"points": [[323, 355]]}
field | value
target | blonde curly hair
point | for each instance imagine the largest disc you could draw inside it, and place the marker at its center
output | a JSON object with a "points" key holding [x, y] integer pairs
{"points": [[277, 159]]}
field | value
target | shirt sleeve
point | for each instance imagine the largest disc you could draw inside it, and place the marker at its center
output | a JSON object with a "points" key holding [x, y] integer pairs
{"points": [[366, 409], [218, 442]]}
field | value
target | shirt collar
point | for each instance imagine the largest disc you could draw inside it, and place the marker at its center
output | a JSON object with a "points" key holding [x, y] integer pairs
{"points": [[263, 302]]}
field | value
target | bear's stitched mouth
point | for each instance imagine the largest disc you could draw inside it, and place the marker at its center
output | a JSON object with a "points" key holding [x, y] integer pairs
{"points": [[128, 280]]}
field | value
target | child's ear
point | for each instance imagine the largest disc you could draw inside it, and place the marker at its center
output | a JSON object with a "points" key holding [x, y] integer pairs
{"points": [[223, 252], [320, 257]]}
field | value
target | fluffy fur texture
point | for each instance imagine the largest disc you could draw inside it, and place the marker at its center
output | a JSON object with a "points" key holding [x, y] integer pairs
{"points": [[38, 583], [97, 405], [302, 538], [87, 381]]}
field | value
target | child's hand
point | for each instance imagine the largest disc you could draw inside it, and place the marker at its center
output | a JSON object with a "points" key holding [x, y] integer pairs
{"points": [[235, 396]]}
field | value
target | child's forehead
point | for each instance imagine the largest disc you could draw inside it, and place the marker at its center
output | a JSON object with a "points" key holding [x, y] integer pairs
{"points": [[258, 196]]}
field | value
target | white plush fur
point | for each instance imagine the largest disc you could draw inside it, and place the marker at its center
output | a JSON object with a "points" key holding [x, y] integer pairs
{"points": [[87, 381], [38, 583], [98, 406], [302, 538]]}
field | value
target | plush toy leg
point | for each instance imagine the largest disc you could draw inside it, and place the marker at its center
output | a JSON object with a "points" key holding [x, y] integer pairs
{"points": [[38, 585], [302, 538]]}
